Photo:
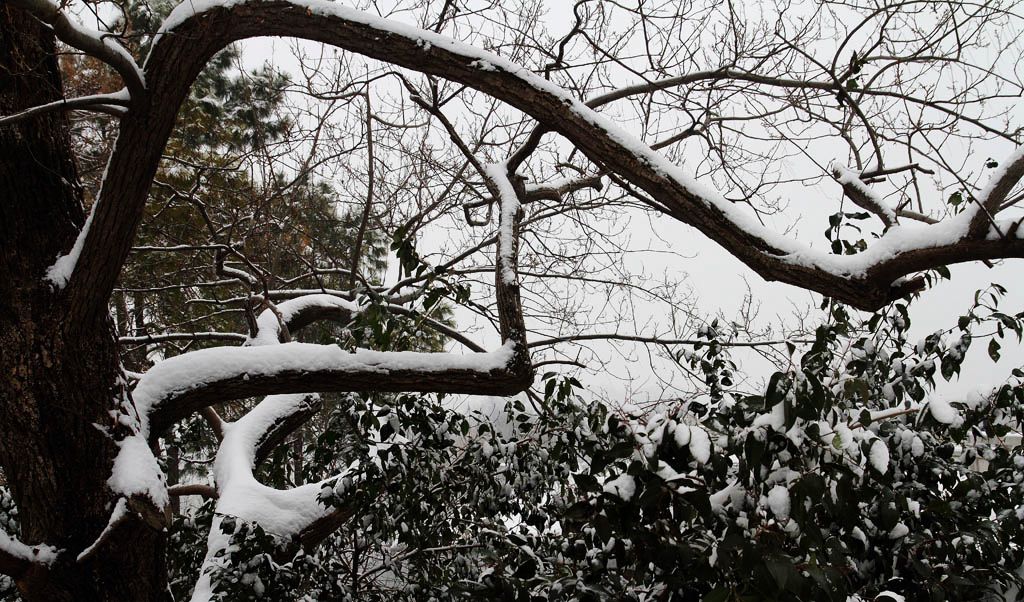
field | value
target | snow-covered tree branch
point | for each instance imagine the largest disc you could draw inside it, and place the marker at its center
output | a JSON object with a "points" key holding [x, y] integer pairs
{"points": [[253, 296]]}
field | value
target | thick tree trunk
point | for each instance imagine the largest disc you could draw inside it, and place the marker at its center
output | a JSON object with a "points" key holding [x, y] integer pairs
{"points": [[61, 381]]}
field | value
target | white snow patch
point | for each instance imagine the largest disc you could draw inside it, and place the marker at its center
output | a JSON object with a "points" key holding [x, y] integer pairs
{"points": [[774, 420], [732, 493], [700, 444], [136, 471], [942, 411], [917, 447], [900, 530], [622, 486], [42, 554], [59, 274], [778, 501], [878, 455], [681, 434]]}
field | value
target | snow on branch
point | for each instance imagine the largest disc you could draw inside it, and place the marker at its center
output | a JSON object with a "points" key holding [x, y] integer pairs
{"points": [[111, 104], [195, 30], [148, 339], [862, 194], [94, 43], [284, 513], [59, 274], [1002, 181], [299, 312], [508, 202], [178, 386], [549, 191], [866, 280], [17, 557]]}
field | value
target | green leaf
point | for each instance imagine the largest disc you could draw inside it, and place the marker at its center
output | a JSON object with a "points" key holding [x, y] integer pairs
{"points": [[774, 393], [993, 350], [753, 450], [781, 569], [527, 569]]}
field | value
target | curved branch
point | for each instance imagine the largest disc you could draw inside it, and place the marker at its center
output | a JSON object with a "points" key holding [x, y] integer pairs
{"points": [[178, 386], [276, 431], [1001, 183], [94, 43], [300, 312], [190, 37], [867, 281], [239, 494], [214, 421], [321, 528]]}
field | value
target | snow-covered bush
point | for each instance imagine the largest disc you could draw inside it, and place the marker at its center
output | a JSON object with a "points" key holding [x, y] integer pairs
{"points": [[848, 477]]}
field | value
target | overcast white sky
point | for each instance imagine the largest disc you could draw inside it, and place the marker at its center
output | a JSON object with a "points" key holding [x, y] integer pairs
{"points": [[722, 281]]}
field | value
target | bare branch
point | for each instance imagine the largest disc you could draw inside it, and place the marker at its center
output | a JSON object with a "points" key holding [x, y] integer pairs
{"points": [[867, 280], [200, 489], [552, 191], [182, 336], [659, 340], [357, 247]]}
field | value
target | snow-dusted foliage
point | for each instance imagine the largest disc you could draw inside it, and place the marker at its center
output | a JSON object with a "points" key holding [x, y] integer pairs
{"points": [[848, 477], [9, 525], [273, 402]]}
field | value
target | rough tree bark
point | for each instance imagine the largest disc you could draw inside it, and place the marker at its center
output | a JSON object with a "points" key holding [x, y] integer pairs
{"points": [[62, 387]]}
